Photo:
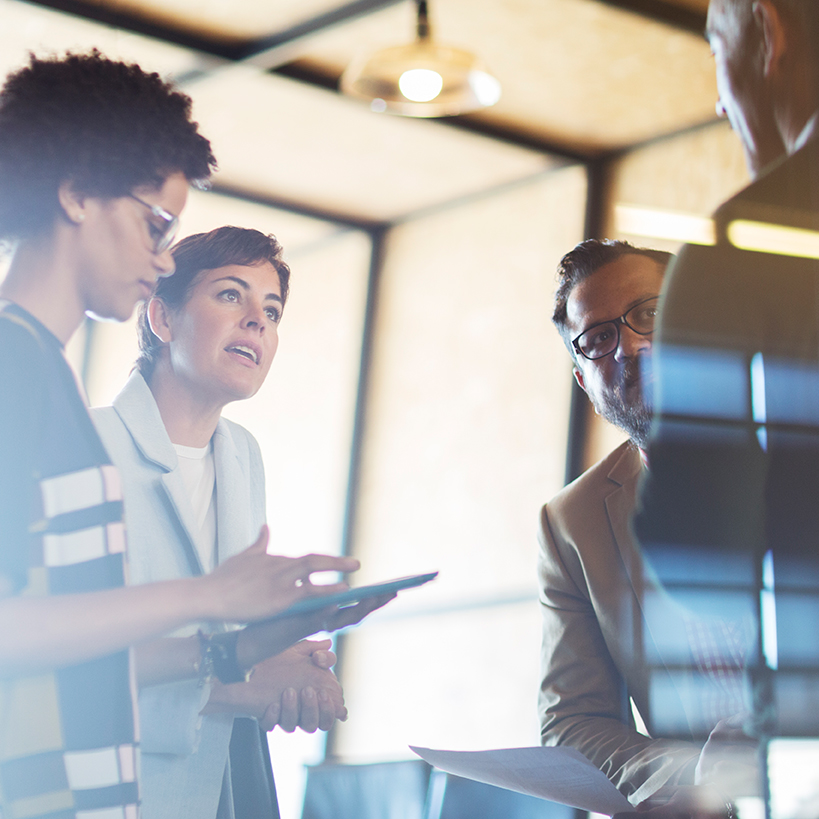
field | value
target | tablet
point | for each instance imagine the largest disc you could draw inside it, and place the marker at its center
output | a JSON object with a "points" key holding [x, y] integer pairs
{"points": [[357, 594]]}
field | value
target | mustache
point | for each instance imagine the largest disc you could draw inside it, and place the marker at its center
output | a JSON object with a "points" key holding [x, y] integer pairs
{"points": [[632, 371], [635, 371]]}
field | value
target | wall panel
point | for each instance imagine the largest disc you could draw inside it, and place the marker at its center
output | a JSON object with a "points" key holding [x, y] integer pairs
{"points": [[465, 439]]}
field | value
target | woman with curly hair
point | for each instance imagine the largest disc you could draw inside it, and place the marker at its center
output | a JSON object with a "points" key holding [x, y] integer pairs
{"points": [[95, 161]]}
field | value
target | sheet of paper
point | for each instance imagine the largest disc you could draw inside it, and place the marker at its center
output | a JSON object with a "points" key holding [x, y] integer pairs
{"points": [[557, 774]]}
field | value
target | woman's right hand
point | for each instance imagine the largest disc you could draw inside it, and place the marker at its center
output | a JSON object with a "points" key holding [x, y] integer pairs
{"points": [[254, 585], [261, 640]]}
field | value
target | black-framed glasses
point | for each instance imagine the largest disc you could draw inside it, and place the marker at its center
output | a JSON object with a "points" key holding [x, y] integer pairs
{"points": [[602, 339], [163, 231]]}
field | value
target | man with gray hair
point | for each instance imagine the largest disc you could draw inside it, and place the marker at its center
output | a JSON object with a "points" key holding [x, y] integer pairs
{"points": [[752, 294], [738, 421], [735, 451]]}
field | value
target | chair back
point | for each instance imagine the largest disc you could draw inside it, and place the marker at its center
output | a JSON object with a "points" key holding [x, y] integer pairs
{"points": [[382, 790], [453, 797]]}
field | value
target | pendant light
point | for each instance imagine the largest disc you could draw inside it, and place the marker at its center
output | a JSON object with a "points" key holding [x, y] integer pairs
{"points": [[422, 79]]}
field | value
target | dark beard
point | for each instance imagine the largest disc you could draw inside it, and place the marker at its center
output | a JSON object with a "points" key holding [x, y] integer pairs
{"points": [[630, 410], [634, 419]]}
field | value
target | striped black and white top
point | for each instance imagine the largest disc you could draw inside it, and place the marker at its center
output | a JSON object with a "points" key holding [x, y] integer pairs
{"points": [[68, 742]]}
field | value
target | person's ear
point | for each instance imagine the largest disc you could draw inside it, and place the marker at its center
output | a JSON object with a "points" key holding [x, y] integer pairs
{"points": [[578, 376], [72, 202], [159, 320], [773, 36]]}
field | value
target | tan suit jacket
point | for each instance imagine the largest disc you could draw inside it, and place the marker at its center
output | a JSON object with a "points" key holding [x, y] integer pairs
{"points": [[596, 637]]}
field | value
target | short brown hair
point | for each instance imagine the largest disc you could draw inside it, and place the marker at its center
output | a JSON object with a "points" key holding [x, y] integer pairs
{"points": [[207, 251]]}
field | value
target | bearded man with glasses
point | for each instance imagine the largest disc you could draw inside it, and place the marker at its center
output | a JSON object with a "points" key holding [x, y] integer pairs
{"points": [[605, 308], [599, 660]]}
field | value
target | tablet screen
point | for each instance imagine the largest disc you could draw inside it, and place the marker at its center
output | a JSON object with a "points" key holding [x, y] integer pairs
{"points": [[355, 595]]}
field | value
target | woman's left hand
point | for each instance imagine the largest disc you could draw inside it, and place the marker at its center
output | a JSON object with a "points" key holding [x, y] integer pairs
{"points": [[294, 689]]}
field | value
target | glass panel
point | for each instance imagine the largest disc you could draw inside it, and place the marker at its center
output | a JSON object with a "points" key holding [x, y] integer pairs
{"points": [[207, 210], [794, 771], [659, 193], [465, 680], [466, 438], [303, 415], [316, 147]]}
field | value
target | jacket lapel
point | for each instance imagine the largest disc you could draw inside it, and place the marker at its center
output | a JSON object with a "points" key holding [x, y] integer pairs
{"points": [[620, 507], [136, 407]]}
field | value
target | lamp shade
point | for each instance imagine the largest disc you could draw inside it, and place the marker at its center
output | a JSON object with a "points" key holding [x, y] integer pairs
{"points": [[422, 79]]}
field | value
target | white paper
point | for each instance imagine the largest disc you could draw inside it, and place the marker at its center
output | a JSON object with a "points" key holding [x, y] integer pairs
{"points": [[557, 774]]}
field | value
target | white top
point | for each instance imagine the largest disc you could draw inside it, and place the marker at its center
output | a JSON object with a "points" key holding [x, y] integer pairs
{"points": [[199, 476]]}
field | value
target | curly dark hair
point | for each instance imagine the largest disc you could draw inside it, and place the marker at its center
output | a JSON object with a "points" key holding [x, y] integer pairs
{"points": [[105, 126], [583, 260], [221, 247]]}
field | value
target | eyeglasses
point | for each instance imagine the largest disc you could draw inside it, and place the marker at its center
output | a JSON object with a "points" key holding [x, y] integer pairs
{"points": [[162, 234], [603, 339]]}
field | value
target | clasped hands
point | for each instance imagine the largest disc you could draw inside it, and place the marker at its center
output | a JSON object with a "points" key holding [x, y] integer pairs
{"points": [[294, 689], [292, 684]]}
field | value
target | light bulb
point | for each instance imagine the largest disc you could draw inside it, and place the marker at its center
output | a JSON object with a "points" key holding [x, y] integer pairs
{"points": [[421, 84], [487, 89]]}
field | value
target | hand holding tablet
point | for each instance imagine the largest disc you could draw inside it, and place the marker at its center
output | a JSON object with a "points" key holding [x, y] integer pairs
{"points": [[320, 613], [356, 595]]}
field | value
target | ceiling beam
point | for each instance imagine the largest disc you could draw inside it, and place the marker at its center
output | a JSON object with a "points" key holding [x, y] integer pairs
{"points": [[275, 52], [371, 226], [320, 77], [663, 11], [265, 52], [280, 48], [112, 15]]}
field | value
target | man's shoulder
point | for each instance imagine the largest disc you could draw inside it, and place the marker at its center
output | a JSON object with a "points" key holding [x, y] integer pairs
{"points": [[619, 468], [790, 184], [705, 278], [603, 497]]}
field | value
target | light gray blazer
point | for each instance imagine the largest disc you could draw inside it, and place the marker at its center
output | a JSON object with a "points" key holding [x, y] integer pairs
{"points": [[184, 756]]}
